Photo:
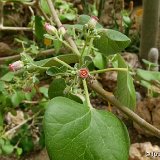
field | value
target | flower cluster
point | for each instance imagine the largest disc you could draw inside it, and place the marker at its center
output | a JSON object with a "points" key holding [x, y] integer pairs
{"points": [[52, 30]]}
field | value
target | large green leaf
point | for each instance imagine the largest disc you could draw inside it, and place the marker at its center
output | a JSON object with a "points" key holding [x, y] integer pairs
{"points": [[125, 91], [75, 132], [111, 42]]}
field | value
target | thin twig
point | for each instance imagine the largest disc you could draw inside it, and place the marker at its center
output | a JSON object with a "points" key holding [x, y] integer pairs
{"points": [[1, 14], [38, 7], [31, 102], [107, 97], [59, 24], [15, 28], [19, 125], [16, 57], [24, 3]]}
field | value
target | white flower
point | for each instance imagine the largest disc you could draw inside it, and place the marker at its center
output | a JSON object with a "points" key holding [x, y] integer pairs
{"points": [[16, 66], [50, 29], [62, 30]]}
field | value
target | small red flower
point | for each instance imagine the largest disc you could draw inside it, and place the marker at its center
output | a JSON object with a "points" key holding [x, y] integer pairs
{"points": [[83, 73], [16, 66]]}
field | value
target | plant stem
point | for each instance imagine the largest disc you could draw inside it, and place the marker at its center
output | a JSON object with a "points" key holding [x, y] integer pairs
{"points": [[84, 49], [38, 7], [86, 93], [108, 97], [59, 24], [109, 69], [90, 46], [82, 53], [15, 28], [89, 49], [63, 63]]}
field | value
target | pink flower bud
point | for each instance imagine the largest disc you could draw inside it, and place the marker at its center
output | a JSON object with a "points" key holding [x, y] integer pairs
{"points": [[83, 73], [50, 29], [92, 22], [16, 66], [62, 30]]}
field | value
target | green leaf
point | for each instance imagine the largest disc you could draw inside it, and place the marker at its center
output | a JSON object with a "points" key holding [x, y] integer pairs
{"points": [[27, 58], [68, 16], [29, 95], [87, 61], [49, 62], [1, 120], [53, 71], [150, 86], [39, 28], [74, 132], [56, 88], [111, 42], [44, 6], [77, 27], [8, 77], [125, 91], [99, 61], [74, 97], [126, 18], [57, 45], [27, 143], [2, 86], [17, 98], [1, 142], [44, 91], [148, 75], [83, 19], [7, 149], [19, 151]]}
